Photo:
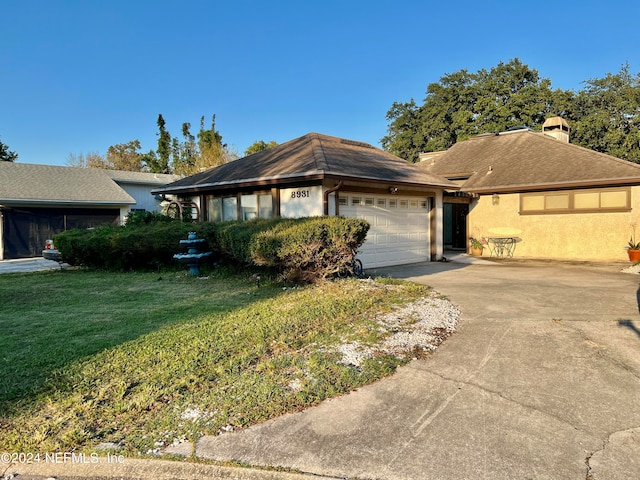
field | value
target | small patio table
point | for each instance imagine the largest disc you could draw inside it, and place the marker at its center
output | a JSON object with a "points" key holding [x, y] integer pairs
{"points": [[502, 241]]}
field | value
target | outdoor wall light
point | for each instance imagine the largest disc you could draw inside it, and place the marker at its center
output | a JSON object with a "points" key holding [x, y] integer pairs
{"points": [[495, 199], [393, 190]]}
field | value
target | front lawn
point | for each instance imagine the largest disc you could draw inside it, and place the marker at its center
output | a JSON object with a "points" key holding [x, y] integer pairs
{"points": [[142, 360]]}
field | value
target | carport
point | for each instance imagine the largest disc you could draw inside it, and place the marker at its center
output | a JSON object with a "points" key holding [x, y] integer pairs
{"points": [[39, 201], [25, 229]]}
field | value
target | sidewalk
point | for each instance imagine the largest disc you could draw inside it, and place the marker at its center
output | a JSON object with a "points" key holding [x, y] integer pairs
{"points": [[25, 265]]}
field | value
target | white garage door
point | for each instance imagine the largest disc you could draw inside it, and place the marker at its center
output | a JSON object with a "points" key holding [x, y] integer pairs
{"points": [[399, 232]]}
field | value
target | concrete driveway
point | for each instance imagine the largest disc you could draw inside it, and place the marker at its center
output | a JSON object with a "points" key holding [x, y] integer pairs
{"points": [[542, 381]]}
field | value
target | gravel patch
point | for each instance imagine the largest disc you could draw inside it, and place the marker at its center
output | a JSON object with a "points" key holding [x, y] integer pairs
{"points": [[414, 329]]}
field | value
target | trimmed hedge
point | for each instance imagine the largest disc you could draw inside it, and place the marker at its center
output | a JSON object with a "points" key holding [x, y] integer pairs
{"points": [[123, 248], [311, 248], [138, 219], [302, 249]]}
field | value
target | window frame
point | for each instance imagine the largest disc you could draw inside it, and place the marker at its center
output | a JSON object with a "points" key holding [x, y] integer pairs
{"points": [[571, 208], [241, 212]]}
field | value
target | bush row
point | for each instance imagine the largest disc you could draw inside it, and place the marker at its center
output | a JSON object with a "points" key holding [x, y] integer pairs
{"points": [[302, 249], [120, 248]]}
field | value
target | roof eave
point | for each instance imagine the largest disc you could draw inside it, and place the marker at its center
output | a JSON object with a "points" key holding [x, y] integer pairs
{"points": [[281, 179], [140, 182], [51, 202], [553, 185], [251, 182]]}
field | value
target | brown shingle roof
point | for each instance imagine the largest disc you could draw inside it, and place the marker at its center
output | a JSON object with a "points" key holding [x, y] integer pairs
{"points": [[312, 156], [527, 160], [48, 184]]}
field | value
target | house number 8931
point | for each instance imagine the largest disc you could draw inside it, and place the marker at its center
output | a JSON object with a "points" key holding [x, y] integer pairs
{"points": [[300, 194]]}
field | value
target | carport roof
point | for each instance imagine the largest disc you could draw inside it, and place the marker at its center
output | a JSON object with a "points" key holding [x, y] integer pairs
{"points": [[310, 157], [526, 160], [25, 183]]}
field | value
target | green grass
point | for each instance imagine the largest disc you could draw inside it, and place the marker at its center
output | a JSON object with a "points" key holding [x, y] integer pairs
{"points": [[141, 359]]}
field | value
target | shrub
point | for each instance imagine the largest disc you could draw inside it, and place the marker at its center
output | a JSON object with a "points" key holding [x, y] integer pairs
{"points": [[90, 247], [303, 249], [137, 219], [310, 248], [149, 246], [234, 239], [142, 247]]}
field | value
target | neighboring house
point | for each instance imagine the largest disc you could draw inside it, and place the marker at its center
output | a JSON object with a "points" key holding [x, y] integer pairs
{"points": [[322, 175], [555, 199], [139, 185], [38, 201]]}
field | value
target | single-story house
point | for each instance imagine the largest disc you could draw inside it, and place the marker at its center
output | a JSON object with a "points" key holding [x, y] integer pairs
{"points": [[323, 175], [551, 198], [38, 201]]}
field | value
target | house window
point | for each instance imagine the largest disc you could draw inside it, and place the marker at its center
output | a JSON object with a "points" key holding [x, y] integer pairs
{"points": [[214, 209], [576, 201], [249, 206], [586, 200], [265, 205], [229, 208], [220, 209], [531, 203], [556, 202], [381, 202], [615, 199]]}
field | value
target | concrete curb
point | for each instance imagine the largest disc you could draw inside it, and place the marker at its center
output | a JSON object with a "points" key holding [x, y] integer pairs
{"points": [[143, 469]]}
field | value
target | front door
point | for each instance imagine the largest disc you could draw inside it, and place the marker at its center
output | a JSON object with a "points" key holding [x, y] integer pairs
{"points": [[459, 225]]}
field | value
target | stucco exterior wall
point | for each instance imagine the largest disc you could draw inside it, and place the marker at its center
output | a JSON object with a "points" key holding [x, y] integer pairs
{"points": [[301, 201], [579, 236]]}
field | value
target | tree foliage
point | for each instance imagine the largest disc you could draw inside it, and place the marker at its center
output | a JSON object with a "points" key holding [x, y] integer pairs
{"points": [[7, 155], [122, 156], [604, 116], [125, 156], [464, 104], [185, 152], [259, 146], [192, 156], [185, 156], [159, 162], [89, 160]]}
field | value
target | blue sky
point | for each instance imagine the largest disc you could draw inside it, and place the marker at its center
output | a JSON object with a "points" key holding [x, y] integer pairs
{"points": [[79, 76]]}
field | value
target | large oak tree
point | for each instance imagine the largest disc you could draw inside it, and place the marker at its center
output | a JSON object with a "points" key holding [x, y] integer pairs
{"points": [[604, 116]]}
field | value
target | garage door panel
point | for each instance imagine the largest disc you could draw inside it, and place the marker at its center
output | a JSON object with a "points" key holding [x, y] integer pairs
{"points": [[382, 222]]}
